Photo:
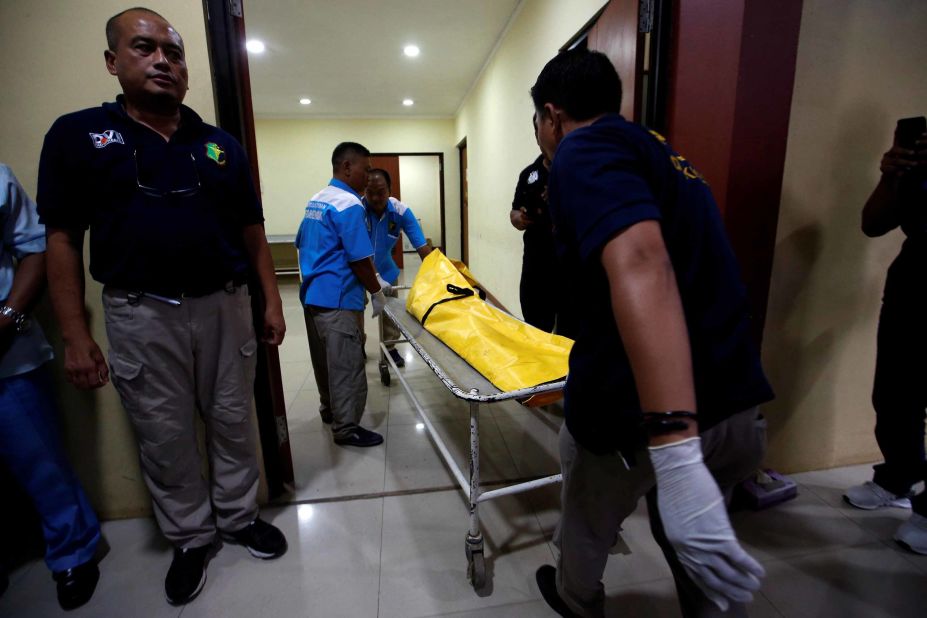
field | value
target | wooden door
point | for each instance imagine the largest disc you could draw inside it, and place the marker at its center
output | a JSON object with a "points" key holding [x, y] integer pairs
{"points": [[464, 213], [616, 35], [390, 163]]}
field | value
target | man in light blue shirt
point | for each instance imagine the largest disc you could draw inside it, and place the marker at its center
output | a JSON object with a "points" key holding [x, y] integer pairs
{"points": [[336, 267], [29, 442], [387, 217]]}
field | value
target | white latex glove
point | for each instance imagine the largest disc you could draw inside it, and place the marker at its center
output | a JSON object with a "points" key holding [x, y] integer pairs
{"points": [[385, 287], [696, 523], [377, 302]]}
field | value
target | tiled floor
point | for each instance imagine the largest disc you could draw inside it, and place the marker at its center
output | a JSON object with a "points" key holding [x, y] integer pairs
{"points": [[380, 532]]}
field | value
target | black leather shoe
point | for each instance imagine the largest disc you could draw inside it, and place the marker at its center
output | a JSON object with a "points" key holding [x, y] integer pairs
{"points": [[187, 574], [358, 436], [263, 540], [76, 586], [546, 577], [397, 358]]}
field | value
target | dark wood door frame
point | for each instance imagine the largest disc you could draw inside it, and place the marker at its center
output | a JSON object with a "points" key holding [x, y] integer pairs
{"points": [[464, 201], [225, 37], [440, 156]]}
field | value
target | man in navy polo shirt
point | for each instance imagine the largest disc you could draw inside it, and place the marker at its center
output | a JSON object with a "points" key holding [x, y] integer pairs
{"points": [[387, 217], [335, 261], [175, 229], [663, 368]]}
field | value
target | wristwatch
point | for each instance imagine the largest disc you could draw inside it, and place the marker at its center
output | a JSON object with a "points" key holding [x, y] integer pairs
{"points": [[20, 322]]}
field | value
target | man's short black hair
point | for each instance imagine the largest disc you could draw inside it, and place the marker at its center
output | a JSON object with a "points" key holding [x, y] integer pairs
{"points": [[384, 173], [346, 150], [582, 82], [112, 33]]}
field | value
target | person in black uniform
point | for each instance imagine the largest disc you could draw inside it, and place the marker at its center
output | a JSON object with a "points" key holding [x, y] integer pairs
{"points": [[541, 305], [664, 382], [898, 394]]}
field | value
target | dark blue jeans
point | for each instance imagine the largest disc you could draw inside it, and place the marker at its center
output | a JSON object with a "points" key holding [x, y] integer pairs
{"points": [[31, 448], [899, 397]]}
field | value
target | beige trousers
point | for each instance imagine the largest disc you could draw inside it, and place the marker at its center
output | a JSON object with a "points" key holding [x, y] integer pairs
{"points": [[336, 347], [168, 364], [599, 492]]}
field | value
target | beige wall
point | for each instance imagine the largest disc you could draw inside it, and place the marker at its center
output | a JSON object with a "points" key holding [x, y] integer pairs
{"points": [[52, 64], [421, 192], [294, 157], [860, 68], [496, 120]]}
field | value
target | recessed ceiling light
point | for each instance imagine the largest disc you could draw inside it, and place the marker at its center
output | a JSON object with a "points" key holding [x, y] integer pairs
{"points": [[255, 46], [411, 51], [305, 101], [408, 102]]}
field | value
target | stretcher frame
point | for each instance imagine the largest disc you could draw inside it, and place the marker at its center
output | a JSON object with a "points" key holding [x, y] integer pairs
{"points": [[465, 383]]}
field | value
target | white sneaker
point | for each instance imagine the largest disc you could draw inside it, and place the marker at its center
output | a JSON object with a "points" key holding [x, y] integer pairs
{"points": [[870, 496], [913, 534]]}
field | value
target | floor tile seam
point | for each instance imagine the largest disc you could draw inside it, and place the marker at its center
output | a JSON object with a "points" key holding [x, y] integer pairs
{"points": [[399, 492], [505, 442], [464, 612], [775, 560], [380, 561], [911, 558], [842, 511], [770, 601]]}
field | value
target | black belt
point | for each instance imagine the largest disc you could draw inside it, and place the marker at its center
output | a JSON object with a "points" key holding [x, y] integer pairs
{"points": [[174, 297]]}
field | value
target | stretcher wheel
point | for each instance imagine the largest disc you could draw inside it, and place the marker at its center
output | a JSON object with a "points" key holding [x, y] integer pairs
{"points": [[384, 374], [476, 570]]}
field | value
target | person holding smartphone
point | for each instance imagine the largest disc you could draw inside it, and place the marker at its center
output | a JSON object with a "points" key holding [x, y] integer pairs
{"points": [[899, 394]]}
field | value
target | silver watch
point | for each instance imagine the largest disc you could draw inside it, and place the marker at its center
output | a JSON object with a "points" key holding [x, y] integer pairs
{"points": [[20, 322]]}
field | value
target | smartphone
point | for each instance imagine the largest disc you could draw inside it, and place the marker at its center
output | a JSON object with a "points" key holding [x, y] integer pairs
{"points": [[909, 130]]}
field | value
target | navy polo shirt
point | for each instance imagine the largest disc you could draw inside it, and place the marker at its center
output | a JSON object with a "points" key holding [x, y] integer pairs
{"points": [[606, 177], [164, 216]]}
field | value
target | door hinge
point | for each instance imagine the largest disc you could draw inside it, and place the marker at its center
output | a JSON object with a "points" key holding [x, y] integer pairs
{"points": [[235, 8]]}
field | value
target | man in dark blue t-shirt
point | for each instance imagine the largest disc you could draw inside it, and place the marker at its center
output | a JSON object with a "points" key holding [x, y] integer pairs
{"points": [[175, 229], [663, 368]]}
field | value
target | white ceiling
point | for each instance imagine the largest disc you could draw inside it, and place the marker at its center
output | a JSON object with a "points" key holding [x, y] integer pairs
{"points": [[346, 55]]}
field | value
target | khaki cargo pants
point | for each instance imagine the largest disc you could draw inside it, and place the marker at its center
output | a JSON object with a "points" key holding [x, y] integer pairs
{"points": [[168, 364]]}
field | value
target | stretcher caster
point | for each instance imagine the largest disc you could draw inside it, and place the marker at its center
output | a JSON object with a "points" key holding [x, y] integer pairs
{"points": [[476, 563], [384, 374]]}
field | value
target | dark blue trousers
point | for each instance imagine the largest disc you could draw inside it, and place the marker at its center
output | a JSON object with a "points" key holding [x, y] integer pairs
{"points": [[31, 448], [899, 397]]}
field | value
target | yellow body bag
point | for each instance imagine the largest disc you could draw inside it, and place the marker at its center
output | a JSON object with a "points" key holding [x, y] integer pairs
{"points": [[509, 353]]}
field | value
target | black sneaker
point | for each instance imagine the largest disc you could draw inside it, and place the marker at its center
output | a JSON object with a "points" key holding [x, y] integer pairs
{"points": [[546, 577], [397, 358], [76, 586], [187, 574], [358, 436], [261, 539]]}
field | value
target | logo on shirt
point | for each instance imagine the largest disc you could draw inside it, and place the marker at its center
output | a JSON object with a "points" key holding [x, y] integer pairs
{"points": [[533, 177], [679, 162], [214, 152], [104, 139]]}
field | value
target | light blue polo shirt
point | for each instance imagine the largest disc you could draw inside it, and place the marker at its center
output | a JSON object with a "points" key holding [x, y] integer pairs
{"points": [[384, 232], [21, 234], [332, 235]]}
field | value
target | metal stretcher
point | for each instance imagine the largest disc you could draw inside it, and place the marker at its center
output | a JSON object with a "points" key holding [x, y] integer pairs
{"points": [[468, 384]]}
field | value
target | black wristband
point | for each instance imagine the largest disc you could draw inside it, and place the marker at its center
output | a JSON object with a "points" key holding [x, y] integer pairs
{"points": [[661, 423]]}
